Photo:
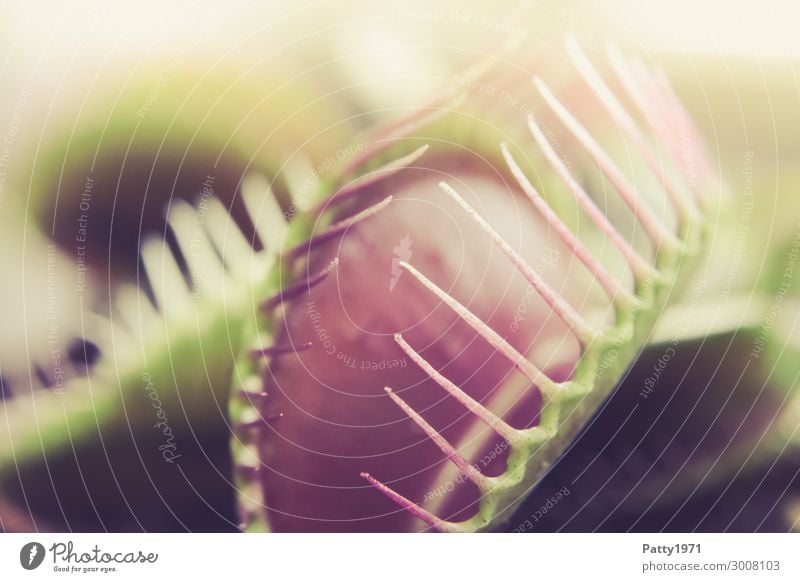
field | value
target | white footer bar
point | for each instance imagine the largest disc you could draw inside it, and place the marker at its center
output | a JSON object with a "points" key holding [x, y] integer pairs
{"points": [[406, 558]]}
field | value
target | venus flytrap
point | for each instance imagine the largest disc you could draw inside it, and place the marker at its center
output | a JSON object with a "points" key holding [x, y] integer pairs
{"points": [[566, 404], [306, 430]]}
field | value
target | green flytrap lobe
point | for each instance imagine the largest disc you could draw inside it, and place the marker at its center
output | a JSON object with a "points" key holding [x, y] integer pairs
{"points": [[458, 287]]}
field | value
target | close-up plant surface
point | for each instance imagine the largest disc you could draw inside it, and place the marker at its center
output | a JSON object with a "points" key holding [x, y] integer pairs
{"points": [[328, 268]]}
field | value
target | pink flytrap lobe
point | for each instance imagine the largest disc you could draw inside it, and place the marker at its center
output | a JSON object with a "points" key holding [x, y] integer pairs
{"points": [[302, 467]]}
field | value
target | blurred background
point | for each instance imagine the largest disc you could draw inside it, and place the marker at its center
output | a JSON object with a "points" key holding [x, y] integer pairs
{"points": [[119, 107]]}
